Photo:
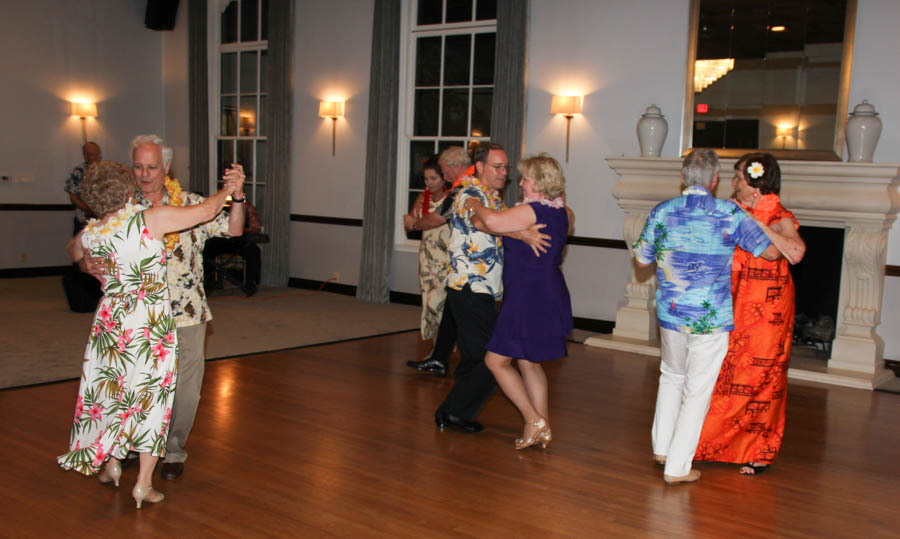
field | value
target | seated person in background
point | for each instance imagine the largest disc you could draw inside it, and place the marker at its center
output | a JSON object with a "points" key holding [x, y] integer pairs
{"points": [[244, 246]]}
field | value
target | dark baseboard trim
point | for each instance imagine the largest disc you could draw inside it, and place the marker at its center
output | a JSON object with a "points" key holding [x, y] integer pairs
{"points": [[36, 207], [405, 298], [343, 221], [597, 242], [594, 325], [892, 271], [15, 273], [327, 286]]}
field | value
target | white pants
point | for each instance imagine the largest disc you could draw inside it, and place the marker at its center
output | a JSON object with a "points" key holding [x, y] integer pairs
{"points": [[688, 372]]}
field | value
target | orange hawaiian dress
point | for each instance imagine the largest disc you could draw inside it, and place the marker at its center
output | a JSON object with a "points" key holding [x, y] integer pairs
{"points": [[745, 422]]}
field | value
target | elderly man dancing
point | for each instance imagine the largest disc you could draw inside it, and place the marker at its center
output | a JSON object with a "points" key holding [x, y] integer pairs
{"points": [[692, 240]]}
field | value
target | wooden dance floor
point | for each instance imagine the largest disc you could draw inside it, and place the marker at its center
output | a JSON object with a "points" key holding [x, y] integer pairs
{"points": [[339, 440]]}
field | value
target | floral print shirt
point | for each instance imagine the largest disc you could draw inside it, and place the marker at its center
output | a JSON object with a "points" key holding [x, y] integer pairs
{"points": [[73, 186], [692, 240], [185, 265], [476, 258]]}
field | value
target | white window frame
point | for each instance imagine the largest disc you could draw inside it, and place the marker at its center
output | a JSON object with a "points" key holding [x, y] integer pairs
{"points": [[215, 49], [406, 104]]}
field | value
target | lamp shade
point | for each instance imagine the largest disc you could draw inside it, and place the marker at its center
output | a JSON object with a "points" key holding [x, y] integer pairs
{"points": [[84, 110], [566, 104], [331, 109], [784, 131]]}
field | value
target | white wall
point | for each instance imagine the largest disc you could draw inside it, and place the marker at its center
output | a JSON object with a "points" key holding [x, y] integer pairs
{"points": [[57, 51], [330, 63], [176, 96]]}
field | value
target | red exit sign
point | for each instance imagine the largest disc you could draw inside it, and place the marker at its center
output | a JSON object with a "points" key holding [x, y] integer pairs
{"points": [[702, 108]]}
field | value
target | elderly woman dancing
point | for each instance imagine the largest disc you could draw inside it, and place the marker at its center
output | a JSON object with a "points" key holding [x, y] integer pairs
{"points": [[745, 422], [129, 372], [536, 316]]}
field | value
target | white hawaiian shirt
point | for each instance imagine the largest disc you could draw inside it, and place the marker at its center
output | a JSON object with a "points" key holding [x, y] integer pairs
{"points": [[476, 258], [184, 265]]}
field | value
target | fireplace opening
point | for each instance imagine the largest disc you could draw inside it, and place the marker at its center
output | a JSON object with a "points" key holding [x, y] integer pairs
{"points": [[817, 280]]}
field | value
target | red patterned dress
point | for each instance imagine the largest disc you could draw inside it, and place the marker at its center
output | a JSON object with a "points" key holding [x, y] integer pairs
{"points": [[745, 422]]}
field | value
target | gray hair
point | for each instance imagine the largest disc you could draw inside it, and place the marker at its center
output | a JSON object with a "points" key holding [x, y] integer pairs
{"points": [[455, 156], [700, 167], [167, 152]]}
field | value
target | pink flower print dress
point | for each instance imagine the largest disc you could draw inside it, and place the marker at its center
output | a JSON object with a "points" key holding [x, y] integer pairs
{"points": [[129, 371]]}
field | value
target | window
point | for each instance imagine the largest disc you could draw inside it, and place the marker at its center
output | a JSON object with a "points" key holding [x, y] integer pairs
{"points": [[449, 90], [240, 124]]}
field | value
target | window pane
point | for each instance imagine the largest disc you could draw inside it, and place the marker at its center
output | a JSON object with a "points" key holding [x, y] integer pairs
{"points": [[224, 158], [456, 59], [248, 116], [263, 71], [249, 20], [429, 12], [419, 151], [484, 59], [485, 10], [264, 27], [428, 61], [481, 111], [229, 23], [245, 158], [444, 144], [248, 72], [459, 10], [454, 120], [262, 126], [261, 173], [229, 116], [425, 121], [229, 73]]}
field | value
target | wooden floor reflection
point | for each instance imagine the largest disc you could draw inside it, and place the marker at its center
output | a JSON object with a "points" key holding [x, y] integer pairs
{"points": [[339, 440]]}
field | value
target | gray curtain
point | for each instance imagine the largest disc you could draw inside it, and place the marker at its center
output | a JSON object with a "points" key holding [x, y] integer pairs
{"points": [[381, 155], [198, 99], [277, 214], [510, 79]]}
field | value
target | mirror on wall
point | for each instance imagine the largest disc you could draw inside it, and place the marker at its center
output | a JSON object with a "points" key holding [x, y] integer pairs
{"points": [[770, 75]]}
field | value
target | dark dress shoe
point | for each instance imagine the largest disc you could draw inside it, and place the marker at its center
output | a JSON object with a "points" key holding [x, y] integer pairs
{"points": [[444, 420], [429, 365], [171, 470]]}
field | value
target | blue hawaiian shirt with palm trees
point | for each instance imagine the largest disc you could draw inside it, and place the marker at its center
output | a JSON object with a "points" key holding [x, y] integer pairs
{"points": [[692, 240]]}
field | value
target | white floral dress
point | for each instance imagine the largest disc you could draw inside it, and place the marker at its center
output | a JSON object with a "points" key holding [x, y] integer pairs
{"points": [[129, 370], [434, 264]]}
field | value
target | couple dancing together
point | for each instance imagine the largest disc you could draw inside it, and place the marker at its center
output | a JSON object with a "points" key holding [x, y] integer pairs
{"points": [[127, 397], [523, 270], [733, 357]]}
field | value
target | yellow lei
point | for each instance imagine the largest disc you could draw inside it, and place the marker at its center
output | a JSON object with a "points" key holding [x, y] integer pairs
{"points": [[174, 189], [493, 199]]}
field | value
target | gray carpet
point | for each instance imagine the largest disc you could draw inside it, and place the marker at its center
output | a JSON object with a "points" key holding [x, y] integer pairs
{"points": [[42, 341]]}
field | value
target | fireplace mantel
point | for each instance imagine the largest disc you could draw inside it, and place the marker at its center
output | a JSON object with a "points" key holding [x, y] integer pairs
{"points": [[861, 198]]}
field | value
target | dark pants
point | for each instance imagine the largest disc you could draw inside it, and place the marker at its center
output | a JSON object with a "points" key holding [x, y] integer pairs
{"points": [[473, 383], [446, 337]]}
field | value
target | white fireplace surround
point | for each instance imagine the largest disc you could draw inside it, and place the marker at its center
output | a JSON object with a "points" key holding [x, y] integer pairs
{"points": [[861, 198]]}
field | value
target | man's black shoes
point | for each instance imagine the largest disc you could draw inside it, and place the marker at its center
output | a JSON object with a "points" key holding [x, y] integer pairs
{"points": [[444, 420], [429, 365]]}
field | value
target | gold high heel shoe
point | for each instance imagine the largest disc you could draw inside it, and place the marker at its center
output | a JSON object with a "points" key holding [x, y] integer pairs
{"points": [[111, 472], [543, 434], [148, 493]]}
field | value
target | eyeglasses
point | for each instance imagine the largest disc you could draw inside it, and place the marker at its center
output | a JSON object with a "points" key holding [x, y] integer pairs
{"points": [[498, 168]]}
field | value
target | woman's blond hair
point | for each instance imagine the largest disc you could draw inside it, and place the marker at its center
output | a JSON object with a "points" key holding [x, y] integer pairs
{"points": [[548, 175], [107, 186]]}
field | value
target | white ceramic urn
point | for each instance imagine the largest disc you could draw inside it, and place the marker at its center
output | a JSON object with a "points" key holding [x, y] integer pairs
{"points": [[863, 130], [651, 132]]}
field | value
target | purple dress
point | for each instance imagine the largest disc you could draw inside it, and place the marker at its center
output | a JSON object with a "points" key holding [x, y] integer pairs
{"points": [[536, 316]]}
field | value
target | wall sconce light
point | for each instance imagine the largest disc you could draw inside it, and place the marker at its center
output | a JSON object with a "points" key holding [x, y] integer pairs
{"points": [[84, 111], [783, 133], [568, 106], [333, 110]]}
